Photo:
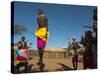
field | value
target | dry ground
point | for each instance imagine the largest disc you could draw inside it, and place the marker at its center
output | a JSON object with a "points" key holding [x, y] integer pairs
{"points": [[54, 64]]}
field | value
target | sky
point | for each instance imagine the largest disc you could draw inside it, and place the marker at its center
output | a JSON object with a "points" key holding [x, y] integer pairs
{"points": [[64, 21]]}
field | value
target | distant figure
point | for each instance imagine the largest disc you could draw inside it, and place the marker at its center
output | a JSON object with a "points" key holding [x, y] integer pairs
{"points": [[75, 56], [23, 43], [43, 27]]}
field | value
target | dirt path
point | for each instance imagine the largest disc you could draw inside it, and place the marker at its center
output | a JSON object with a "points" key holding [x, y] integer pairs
{"points": [[51, 65], [56, 64]]}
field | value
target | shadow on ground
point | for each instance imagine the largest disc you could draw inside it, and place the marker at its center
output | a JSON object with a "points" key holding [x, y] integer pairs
{"points": [[63, 67], [40, 69]]}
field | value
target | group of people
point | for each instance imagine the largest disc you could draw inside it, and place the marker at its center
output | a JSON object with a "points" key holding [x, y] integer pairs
{"points": [[89, 42], [90, 53], [42, 36]]}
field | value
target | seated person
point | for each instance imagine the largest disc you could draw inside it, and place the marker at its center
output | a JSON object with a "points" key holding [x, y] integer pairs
{"points": [[21, 58]]}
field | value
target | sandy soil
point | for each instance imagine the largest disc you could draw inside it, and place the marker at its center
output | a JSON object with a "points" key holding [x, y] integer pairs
{"points": [[54, 65]]}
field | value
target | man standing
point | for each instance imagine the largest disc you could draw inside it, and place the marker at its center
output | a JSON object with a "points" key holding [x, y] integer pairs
{"points": [[88, 61], [75, 56], [42, 31]]}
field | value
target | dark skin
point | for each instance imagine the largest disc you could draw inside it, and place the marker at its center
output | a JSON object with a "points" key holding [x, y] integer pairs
{"points": [[25, 64], [42, 22], [74, 46], [23, 43], [88, 54]]}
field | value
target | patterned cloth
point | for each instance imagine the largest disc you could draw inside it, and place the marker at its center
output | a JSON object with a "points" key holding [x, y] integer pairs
{"points": [[21, 56], [41, 37], [41, 43]]}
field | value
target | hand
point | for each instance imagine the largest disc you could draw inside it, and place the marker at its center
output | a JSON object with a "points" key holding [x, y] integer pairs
{"points": [[46, 36]]}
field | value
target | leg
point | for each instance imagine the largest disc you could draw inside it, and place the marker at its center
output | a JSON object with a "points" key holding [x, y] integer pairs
{"points": [[17, 68], [76, 61], [26, 66], [74, 65], [41, 50], [41, 59], [84, 61], [73, 62], [41, 56]]}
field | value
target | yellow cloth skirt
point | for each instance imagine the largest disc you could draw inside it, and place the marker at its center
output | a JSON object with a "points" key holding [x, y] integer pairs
{"points": [[41, 33]]}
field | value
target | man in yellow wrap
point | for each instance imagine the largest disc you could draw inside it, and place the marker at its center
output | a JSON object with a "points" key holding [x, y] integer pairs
{"points": [[41, 33]]}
